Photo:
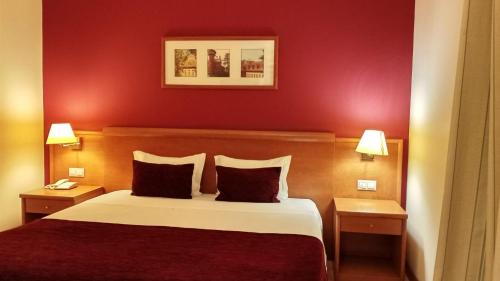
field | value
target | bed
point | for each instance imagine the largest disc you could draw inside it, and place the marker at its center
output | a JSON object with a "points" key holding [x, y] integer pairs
{"points": [[122, 237], [118, 236]]}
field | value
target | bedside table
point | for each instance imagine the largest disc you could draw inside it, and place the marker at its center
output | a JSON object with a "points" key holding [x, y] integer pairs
{"points": [[41, 202], [370, 240]]}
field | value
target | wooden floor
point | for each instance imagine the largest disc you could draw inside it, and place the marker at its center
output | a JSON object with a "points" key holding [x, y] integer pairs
{"points": [[330, 271]]}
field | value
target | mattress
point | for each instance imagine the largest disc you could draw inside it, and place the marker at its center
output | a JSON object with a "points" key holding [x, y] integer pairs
{"points": [[291, 216]]}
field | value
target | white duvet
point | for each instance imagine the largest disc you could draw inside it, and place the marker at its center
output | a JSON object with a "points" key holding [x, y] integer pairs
{"points": [[291, 216]]}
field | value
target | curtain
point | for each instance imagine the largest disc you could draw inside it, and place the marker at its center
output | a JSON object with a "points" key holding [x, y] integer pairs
{"points": [[492, 261], [469, 246]]}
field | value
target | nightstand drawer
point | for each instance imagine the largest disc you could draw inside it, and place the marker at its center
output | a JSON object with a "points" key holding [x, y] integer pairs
{"points": [[362, 224], [44, 206]]}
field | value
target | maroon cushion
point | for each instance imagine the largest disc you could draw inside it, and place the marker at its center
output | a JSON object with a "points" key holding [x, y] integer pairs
{"points": [[248, 185], [162, 180]]}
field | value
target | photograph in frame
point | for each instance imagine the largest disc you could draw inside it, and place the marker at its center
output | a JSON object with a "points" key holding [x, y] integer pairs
{"points": [[220, 62]]}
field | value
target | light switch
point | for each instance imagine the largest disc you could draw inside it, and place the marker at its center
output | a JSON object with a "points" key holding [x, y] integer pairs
{"points": [[368, 185], [77, 172]]}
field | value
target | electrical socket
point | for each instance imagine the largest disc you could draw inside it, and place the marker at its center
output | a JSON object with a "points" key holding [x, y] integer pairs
{"points": [[77, 172], [367, 185]]}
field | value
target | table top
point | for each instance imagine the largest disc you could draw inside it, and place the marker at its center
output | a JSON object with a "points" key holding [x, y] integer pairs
{"points": [[61, 194], [369, 207]]}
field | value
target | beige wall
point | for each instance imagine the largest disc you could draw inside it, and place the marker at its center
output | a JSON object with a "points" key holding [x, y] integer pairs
{"points": [[438, 29], [21, 112]]}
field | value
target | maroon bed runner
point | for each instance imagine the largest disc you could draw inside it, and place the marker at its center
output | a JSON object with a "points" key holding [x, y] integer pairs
{"points": [[58, 250]]}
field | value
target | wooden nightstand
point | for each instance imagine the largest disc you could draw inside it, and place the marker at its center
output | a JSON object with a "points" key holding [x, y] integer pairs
{"points": [[370, 240], [41, 202]]}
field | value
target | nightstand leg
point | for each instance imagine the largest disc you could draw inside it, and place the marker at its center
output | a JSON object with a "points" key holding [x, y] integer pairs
{"points": [[402, 266], [337, 246], [23, 210]]}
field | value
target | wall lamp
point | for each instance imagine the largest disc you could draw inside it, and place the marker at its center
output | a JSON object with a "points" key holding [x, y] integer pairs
{"points": [[372, 143], [62, 134]]}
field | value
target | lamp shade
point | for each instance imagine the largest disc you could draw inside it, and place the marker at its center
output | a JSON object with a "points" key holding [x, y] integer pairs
{"points": [[372, 142], [61, 133]]}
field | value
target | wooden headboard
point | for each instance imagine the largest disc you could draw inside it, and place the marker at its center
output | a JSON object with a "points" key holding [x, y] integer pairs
{"points": [[318, 169], [386, 170], [310, 172]]}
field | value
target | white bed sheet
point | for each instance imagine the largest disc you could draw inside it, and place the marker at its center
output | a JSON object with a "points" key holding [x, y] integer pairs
{"points": [[291, 216]]}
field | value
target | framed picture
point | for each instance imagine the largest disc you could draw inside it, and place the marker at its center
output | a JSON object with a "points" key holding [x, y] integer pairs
{"points": [[220, 62]]}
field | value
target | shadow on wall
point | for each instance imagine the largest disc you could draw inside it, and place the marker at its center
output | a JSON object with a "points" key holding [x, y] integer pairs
{"points": [[416, 253]]}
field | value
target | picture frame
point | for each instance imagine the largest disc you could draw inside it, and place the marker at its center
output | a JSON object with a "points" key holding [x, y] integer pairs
{"points": [[223, 62]]}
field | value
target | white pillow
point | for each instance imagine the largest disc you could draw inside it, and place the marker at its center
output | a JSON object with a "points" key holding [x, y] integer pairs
{"points": [[283, 162], [198, 160]]}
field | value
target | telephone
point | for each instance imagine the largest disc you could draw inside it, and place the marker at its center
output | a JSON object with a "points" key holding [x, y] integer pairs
{"points": [[62, 184]]}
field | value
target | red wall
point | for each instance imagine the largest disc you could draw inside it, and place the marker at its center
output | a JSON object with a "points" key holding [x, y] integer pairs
{"points": [[343, 65]]}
